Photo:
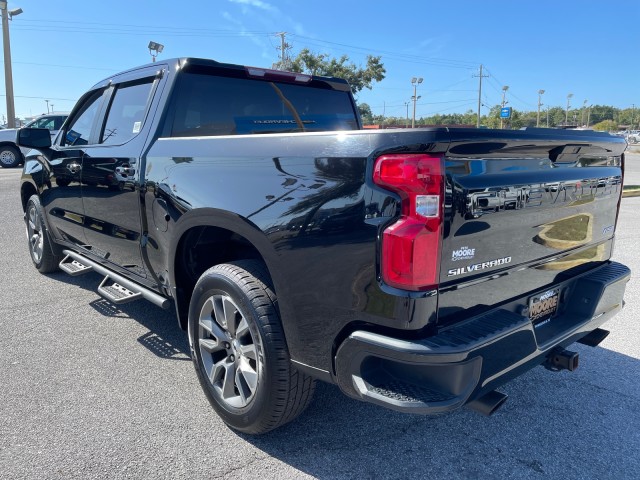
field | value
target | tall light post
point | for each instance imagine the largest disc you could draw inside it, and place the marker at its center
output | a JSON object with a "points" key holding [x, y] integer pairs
{"points": [[540, 93], [504, 101], [584, 105], [8, 76], [47, 105], [415, 81], [566, 116]]}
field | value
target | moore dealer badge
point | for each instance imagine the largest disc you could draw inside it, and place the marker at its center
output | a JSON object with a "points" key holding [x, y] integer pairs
{"points": [[463, 253]]}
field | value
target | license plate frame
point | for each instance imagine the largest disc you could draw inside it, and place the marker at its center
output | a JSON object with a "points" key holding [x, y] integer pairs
{"points": [[544, 306]]}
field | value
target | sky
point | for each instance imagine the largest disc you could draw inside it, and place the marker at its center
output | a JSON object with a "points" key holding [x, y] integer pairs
{"points": [[588, 48]]}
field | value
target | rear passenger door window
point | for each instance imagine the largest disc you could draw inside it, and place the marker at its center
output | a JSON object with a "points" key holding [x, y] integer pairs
{"points": [[126, 112]]}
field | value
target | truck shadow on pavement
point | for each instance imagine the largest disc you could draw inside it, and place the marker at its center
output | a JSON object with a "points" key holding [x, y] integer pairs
{"points": [[578, 425], [164, 339], [582, 424]]}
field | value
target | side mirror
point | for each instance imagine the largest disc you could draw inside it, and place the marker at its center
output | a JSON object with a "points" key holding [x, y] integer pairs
{"points": [[33, 138]]}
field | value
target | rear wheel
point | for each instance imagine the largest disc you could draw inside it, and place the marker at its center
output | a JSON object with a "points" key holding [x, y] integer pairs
{"points": [[9, 156], [239, 350], [45, 254]]}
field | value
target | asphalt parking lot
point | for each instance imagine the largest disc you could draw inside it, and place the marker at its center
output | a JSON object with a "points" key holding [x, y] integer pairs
{"points": [[90, 390]]}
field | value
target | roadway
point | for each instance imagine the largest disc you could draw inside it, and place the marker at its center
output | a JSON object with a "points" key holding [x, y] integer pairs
{"points": [[92, 391]]}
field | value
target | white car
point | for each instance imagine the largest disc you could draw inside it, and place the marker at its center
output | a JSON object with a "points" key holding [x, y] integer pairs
{"points": [[10, 154], [633, 136]]}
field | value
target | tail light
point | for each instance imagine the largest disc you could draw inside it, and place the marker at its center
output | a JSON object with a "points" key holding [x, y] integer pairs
{"points": [[411, 246]]}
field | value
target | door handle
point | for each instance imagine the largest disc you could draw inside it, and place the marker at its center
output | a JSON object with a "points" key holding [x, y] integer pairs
{"points": [[126, 171], [74, 167]]}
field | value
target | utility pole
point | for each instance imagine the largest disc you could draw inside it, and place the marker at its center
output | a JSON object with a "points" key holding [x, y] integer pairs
{"points": [[406, 123], [415, 81], [589, 115], [584, 105], [540, 93], [8, 75], [633, 115], [47, 105], [566, 116], [480, 77], [504, 101], [285, 63]]}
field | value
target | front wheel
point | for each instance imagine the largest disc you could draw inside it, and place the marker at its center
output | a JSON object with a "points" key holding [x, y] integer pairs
{"points": [[9, 156], [239, 350]]}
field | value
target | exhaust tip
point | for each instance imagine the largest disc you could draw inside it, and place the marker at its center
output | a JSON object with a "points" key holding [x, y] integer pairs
{"points": [[488, 404]]}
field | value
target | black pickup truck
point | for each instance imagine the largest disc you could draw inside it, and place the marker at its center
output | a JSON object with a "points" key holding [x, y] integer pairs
{"points": [[417, 269]]}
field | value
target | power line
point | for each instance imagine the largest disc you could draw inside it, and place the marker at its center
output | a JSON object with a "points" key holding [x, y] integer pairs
{"points": [[43, 98], [423, 103], [514, 96], [401, 56], [64, 66], [47, 24]]}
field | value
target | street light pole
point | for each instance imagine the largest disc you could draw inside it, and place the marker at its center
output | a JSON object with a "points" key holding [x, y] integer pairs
{"points": [[540, 93], [415, 82], [504, 101], [584, 105], [47, 105], [566, 117], [8, 75]]}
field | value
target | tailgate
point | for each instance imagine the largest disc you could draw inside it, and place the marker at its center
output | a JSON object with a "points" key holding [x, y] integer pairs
{"points": [[530, 207]]}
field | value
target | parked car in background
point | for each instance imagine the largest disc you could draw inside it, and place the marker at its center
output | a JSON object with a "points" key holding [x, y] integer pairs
{"points": [[633, 136], [10, 154]]}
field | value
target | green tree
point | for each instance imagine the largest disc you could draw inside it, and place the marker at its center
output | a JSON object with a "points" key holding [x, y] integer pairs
{"points": [[365, 113], [323, 64], [606, 126]]}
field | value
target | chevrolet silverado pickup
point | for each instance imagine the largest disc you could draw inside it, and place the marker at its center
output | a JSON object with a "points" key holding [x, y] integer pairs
{"points": [[417, 269]]}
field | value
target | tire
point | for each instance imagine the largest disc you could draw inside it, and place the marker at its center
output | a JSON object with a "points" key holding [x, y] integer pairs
{"points": [[10, 156], [45, 254], [239, 350]]}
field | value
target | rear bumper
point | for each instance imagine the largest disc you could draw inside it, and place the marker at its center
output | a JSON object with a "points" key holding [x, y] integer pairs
{"points": [[443, 372]]}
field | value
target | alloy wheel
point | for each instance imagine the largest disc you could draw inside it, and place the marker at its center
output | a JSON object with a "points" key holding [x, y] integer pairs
{"points": [[35, 234], [228, 351]]}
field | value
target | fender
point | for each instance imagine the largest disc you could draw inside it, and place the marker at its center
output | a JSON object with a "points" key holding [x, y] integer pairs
{"points": [[213, 217]]}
